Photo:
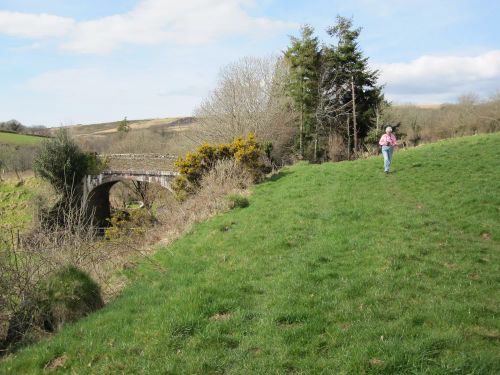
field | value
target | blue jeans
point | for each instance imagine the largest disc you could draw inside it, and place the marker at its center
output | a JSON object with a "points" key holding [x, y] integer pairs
{"points": [[387, 152]]}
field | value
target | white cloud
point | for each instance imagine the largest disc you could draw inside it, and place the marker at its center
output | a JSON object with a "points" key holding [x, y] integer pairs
{"points": [[441, 78], [151, 22], [34, 25], [97, 94]]}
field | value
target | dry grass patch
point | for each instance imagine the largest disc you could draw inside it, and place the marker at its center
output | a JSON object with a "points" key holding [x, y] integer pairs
{"points": [[227, 177]]}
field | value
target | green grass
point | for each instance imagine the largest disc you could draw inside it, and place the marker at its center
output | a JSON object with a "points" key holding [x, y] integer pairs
{"points": [[16, 209], [19, 139], [332, 269]]}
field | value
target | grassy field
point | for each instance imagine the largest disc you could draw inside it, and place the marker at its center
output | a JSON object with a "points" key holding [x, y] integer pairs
{"points": [[332, 269], [19, 139]]}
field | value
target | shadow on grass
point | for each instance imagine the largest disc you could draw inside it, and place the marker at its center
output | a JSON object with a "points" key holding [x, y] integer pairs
{"points": [[277, 176]]}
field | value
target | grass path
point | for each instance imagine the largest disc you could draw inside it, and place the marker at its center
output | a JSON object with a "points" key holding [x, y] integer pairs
{"points": [[332, 269]]}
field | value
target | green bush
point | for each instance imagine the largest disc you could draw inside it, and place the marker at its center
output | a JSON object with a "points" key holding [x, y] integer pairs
{"points": [[94, 164], [238, 201], [65, 296], [61, 162], [182, 188], [126, 223]]}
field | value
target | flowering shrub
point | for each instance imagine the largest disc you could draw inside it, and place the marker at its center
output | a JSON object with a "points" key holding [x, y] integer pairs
{"points": [[246, 151]]}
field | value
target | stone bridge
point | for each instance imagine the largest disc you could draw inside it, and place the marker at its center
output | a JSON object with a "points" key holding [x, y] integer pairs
{"points": [[151, 168]]}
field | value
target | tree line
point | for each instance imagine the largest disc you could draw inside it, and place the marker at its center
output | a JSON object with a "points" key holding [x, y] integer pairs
{"points": [[333, 90], [14, 126], [318, 101]]}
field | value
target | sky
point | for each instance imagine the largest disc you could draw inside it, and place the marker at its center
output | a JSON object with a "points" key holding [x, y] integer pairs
{"points": [[65, 62]]}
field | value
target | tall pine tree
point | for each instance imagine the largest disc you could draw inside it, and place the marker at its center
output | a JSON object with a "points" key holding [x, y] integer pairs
{"points": [[303, 57], [348, 87]]}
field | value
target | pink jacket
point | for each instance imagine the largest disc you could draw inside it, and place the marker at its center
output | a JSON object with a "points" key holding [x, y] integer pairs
{"points": [[387, 140]]}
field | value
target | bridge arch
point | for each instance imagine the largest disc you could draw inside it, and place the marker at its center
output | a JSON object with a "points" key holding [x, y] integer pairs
{"points": [[96, 188]]}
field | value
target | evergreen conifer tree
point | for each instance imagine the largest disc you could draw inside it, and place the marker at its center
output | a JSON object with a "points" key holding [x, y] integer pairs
{"points": [[123, 126], [348, 86], [303, 57]]}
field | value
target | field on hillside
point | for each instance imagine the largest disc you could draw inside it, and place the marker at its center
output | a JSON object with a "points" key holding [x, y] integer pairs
{"points": [[17, 151], [332, 269], [168, 123], [165, 135], [19, 139]]}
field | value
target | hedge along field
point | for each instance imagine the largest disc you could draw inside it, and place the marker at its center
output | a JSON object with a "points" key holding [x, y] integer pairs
{"points": [[20, 139], [333, 268]]}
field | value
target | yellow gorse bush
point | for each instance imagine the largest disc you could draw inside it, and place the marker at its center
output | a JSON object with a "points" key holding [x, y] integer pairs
{"points": [[245, 150]]}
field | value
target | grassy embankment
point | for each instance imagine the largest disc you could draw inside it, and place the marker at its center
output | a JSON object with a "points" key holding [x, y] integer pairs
{"points": [[333, 268], [16, 201]]}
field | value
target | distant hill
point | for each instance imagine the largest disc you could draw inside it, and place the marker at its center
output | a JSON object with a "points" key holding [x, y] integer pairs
{"points": [[166, 124], [421, 105]]}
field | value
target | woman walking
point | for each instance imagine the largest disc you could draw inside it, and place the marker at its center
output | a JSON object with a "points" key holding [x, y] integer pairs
{"points": [[387, 141]]}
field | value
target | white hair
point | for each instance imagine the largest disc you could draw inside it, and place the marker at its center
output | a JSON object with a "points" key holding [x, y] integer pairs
{"points": [[388, 129]]}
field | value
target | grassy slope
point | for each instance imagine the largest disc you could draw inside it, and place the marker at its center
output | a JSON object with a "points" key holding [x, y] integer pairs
{"points": [[334, 268], [15, 202], [19, 139]]}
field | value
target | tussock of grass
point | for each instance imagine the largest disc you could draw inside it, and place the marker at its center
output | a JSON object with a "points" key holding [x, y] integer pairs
{"points": [[333, 268], [238, 201]]}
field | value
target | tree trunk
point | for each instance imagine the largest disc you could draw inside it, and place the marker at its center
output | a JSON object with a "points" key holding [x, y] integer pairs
{"points": [[348, 139], [316, 148], [301, 130], [377, 118], [354, 124]]}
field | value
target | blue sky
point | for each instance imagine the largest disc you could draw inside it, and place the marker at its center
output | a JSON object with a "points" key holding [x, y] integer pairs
{"points": [[64, 62]]}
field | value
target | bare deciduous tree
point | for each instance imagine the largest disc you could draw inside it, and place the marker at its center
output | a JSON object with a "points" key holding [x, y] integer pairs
{"points": [[249, 97], [429, 123]]}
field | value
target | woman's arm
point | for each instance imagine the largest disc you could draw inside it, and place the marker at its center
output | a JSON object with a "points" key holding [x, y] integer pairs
{"points": [[382, 141], [394, 141]]}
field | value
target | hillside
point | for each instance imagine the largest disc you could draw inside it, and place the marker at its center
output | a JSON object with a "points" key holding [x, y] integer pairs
{"points": [[333, 268], [167, 124], [17, 151]]}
